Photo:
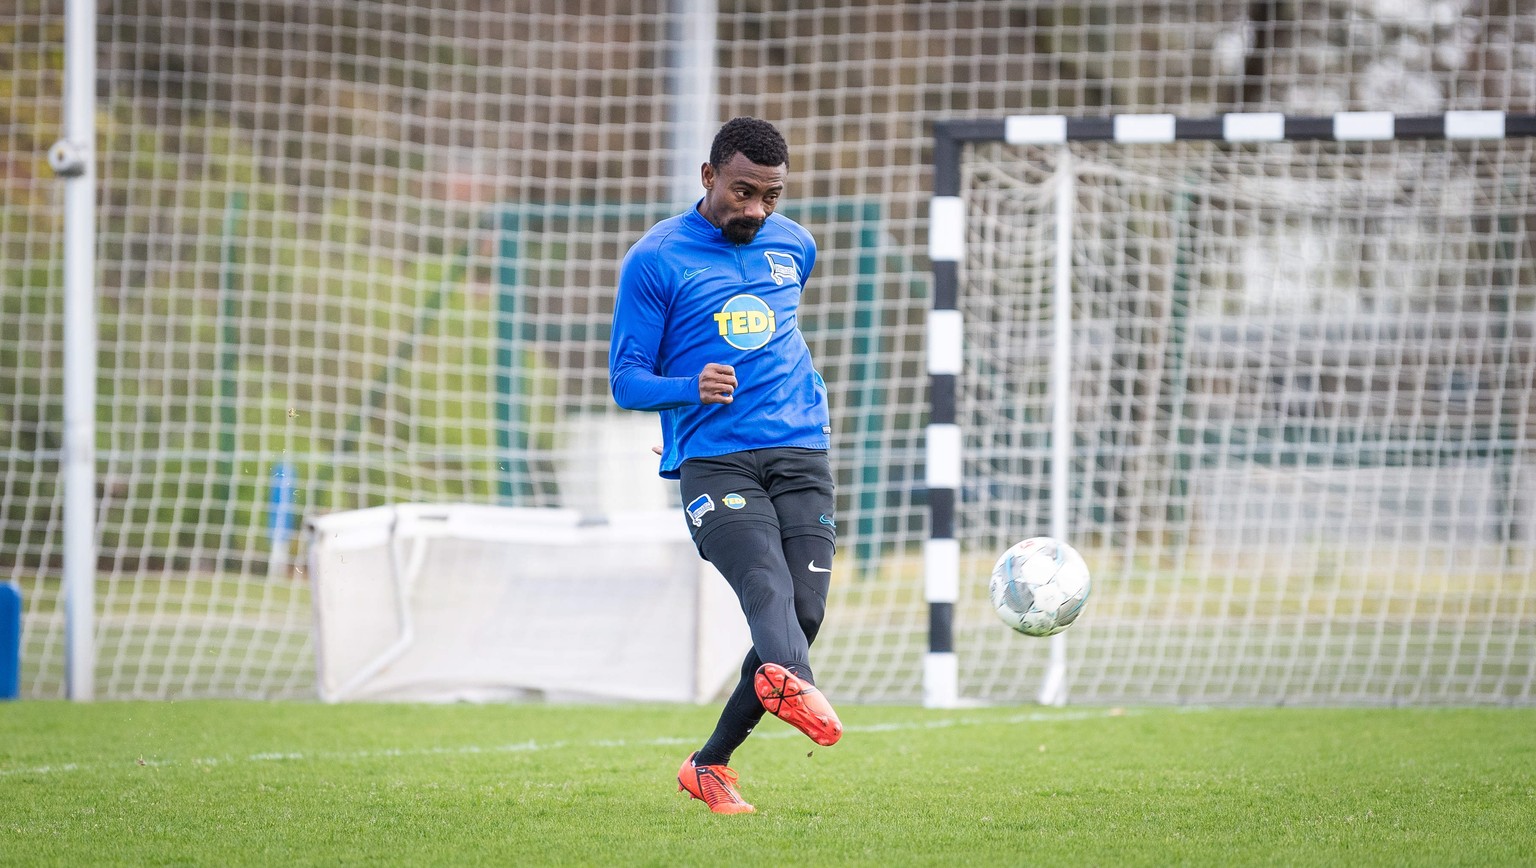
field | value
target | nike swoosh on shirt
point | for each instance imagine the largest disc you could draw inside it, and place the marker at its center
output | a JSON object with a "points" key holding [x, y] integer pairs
{"points": [[691, 273], [815, 569]]}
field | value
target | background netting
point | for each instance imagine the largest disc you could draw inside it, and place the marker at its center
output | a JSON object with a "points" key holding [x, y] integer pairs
{"points": [[364, 253], [1302, 464]]}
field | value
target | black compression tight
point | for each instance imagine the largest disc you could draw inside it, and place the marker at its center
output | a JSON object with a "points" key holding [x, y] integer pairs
{"points": [[783, 590]]}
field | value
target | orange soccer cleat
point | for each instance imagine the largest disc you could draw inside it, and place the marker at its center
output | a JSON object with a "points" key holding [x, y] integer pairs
{"points": [[715, 786], [797, 703]]}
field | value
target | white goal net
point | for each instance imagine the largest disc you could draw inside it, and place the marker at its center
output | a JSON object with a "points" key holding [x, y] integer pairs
{"points": [[362, 254], [1303, 391]]}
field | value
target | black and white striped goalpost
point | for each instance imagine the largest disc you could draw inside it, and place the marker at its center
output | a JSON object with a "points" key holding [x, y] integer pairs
{"points": [[945, 335]]}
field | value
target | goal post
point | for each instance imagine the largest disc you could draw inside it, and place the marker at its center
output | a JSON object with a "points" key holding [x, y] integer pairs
{"points": [[1272, 374]]}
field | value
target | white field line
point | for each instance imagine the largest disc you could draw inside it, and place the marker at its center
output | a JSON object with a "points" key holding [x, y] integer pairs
{"points": [[540, 746]]}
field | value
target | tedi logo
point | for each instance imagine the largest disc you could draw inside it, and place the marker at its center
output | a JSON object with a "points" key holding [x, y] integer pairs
{"points": [[746, 322]]}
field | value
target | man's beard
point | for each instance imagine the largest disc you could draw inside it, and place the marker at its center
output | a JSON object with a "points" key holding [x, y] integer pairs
{"points": [[741, 230]]}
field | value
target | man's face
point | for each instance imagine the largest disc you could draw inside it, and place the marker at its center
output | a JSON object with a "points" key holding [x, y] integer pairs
{"points": [[740, 196]]}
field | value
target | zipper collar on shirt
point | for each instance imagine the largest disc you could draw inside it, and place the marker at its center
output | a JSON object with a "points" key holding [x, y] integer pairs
{"points": [[698, 225]]}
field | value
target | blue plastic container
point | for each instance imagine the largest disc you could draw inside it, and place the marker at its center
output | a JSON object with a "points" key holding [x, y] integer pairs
{"points": [[10, 640]]}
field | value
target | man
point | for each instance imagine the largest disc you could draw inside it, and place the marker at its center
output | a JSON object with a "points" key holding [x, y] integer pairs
{"points": [[705, 332]]}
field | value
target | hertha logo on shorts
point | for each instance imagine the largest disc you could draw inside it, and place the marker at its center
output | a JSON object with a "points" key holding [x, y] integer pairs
{"points": [[698, 507]]}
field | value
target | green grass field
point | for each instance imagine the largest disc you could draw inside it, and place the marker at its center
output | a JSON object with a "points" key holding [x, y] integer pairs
{"points": [[243, 783]]}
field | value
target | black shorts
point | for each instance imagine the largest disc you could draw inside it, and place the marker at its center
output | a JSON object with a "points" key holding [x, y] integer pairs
{"points": [[788, 488]]}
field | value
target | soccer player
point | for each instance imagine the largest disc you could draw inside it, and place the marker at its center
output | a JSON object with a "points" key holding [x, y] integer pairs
{"points": [[705, 332]]}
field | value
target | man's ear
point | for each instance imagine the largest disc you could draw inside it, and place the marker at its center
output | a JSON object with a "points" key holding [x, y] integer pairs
{"points": [[707, 175]]}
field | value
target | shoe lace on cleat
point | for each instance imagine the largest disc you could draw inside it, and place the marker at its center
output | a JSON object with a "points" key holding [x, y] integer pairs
{"points": [[715, 786]]}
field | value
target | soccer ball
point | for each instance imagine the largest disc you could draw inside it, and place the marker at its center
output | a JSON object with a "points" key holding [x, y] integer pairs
{"points": [[1039, 586]]}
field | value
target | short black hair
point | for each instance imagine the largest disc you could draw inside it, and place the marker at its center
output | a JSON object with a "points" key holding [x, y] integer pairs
{"points": [[757, 139]]}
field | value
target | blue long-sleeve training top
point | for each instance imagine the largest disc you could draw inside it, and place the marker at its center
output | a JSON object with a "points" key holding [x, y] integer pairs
{"points": [[688, 297]]}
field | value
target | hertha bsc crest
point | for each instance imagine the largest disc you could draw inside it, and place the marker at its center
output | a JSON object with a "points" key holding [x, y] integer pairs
{"points": [[781, 267], [700, 505]]}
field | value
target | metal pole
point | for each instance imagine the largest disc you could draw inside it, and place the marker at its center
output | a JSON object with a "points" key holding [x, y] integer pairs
{"points": [[691, 120], [73, 158], [1054, 690]]}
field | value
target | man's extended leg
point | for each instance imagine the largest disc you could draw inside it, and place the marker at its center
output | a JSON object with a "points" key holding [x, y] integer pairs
{"points": [[734, 525], [792, 695], [750, 555], [783, 602], [799, 484], [744, 709], [810, 563]]}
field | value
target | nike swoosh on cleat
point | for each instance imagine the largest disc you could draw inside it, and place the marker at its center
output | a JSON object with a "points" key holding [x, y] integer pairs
{"points": [[815, 569], [691, 273]]}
